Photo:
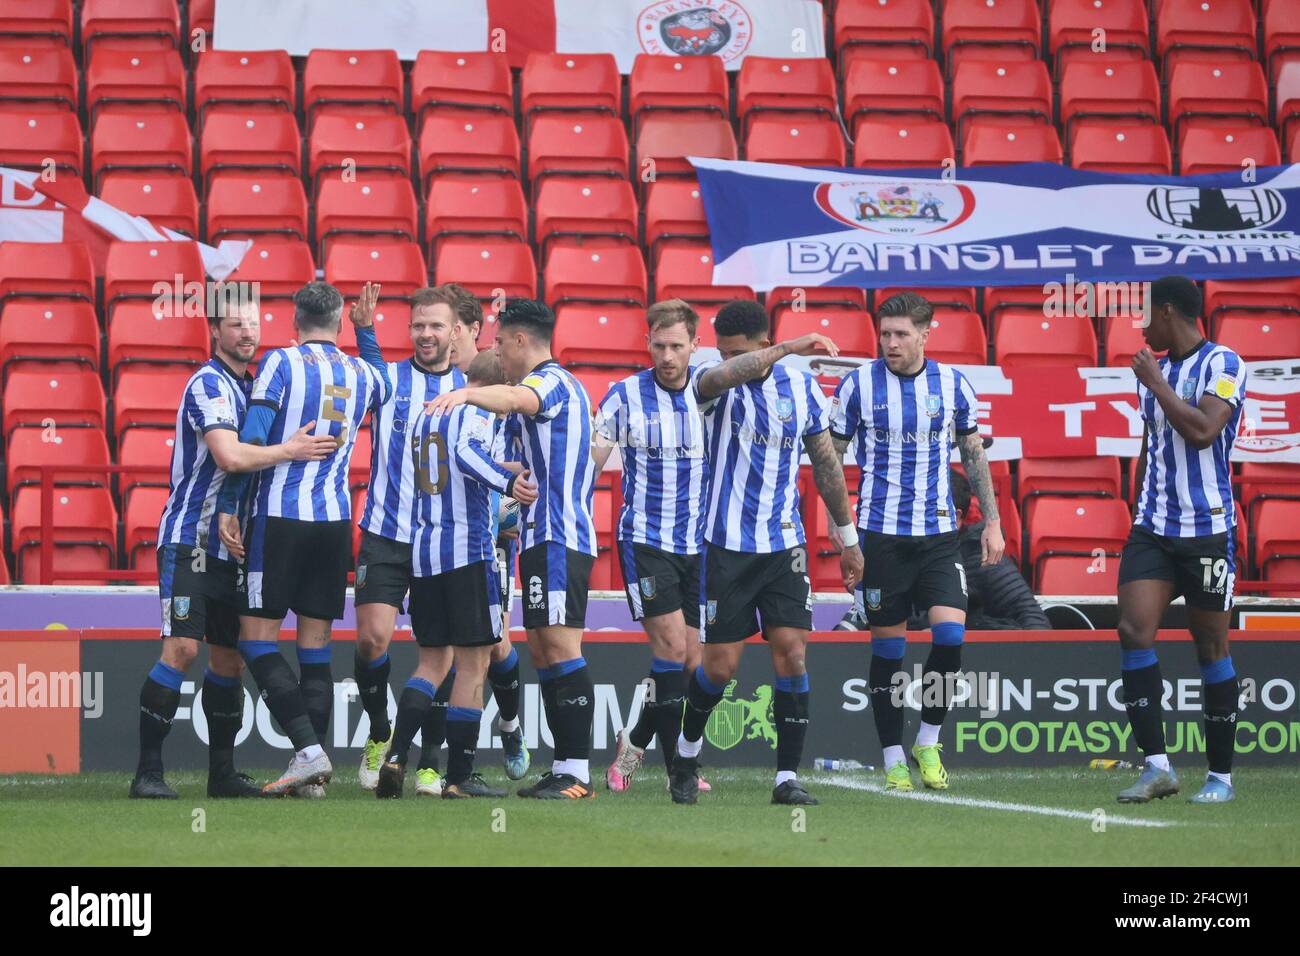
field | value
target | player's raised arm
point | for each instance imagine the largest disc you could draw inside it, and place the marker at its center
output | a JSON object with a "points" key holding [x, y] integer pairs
{"points": [[362, 317], [1200, 424], [751, 365]]}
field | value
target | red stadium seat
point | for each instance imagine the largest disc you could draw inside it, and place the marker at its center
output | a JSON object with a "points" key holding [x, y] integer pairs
{"points": [[242, 205], [1078, 526], [957, 337], [84, 533], [851, 331], [1014, 92], [1287, 110], [902, 143], [467, 142], [139, 332], [574, 272], [786, 85], [895, 27], [38, 78], [796, 141], [955, 297], [1002, 30], [53, 330], [36, 20], [569, 83], [247, 80], [673, 211], [1071, 26], [398, 266], [393, 329], [1120, 147], [30, 448], [992, 143], [565, 207], [200, 15], [1281, 35], [461, 81], [141, 511], [147, 397], [166, 201], [886, 87], [486, 267], [1024, 338], [136, 23], [135, 139], [135, 79], [1070, 476], [677, 83], [604, 572], [1263, 481], [665, 141], [799, 298], [475, 206], [1211, 150], [143, 449], [66, 395], [1204, 29], [280, 268], [600, 335], [354, 83], [999, 298], [1109, 88], [576, 144], [383, 209], [1064, 575], [371, 146], [30, 137], [134, 268], [277, 325], [1245, 294], [236, 139], [1257, 336], [1123, 340], [598, 382], [824, 563], [46, 270], [1277, 537], [685, 271], [1216, 95]]}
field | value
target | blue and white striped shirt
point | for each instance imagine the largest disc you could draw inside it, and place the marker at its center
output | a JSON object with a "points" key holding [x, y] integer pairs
{"points": [[902, 428], [754, 435], [1188, 492], [390, 498], [455, 478], [214, 398], [555, 446], [315, 381], [660, 437]]}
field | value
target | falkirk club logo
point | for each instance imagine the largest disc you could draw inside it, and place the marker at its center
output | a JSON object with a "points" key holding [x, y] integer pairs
{"points": [[1216, 210], [695, 29], [733, 721], [918, 208]]}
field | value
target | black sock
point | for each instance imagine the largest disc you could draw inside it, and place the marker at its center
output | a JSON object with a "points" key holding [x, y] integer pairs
{"points": [[643, 730], [936, 687], [1221, 723], [462, 740], [886, 702], [790, 710], [546, 688], [701, 698], [223, 706], [412, 707], [372, 688], [504, 678], [1142, 692], [317, 686], [575, 703], [670, 687], [434, 729], [279, 688], [159, 698]]}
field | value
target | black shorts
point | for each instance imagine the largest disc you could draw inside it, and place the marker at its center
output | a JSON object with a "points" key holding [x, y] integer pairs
{"points": [[660, 582], [902, 572], [740, 587], [458, 608], [299, 566], [383, 571], [555, 582], [1203, 569], [200, 595]]}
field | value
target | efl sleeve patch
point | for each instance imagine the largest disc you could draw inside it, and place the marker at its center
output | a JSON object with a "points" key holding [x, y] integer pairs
{"points": [[533, 381], [1225, 386]]}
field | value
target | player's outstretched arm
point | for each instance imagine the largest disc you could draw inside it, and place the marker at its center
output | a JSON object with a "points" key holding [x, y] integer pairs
{"points": [[828, 473], [362, 317], [234, 456], [752, 365], [1199, 424], [474, 459], [497, 399], [976, 464]]}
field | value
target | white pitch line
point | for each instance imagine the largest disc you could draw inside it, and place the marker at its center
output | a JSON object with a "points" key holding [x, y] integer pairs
{"points": [[992, 804]]}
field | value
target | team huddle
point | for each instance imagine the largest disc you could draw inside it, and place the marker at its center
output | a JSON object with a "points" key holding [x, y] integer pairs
{"points": [[479, 455]]}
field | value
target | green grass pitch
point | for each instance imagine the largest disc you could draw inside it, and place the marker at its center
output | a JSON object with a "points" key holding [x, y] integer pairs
{"points": [[1038, 817]]}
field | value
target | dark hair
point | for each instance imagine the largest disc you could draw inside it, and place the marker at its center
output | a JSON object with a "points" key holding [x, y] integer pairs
{"points": [[672, 312], [225, 299], [532, 316], [908, 305], [464, 306], [960, 488], [1181, 293], [318, 305], [485, 369], [742, 317]]}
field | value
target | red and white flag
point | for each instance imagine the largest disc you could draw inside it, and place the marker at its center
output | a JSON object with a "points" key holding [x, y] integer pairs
{"points": [[33, 209]]}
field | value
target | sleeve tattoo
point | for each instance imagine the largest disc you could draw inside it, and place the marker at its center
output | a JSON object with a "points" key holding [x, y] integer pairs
{"points": [[977, 473], [739, 370], [828, 472]]}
